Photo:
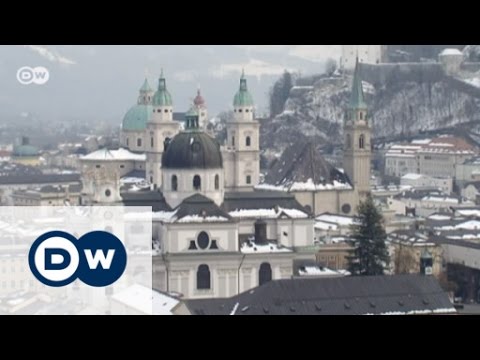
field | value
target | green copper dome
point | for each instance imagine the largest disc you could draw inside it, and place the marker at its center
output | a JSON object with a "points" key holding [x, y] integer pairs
{"points": [[25, 150], [137, 117], [162, 97], [243, 98]]}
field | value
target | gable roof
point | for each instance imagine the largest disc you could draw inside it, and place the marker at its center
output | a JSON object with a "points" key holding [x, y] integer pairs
{"points": [[302, 163], [397, 294]]}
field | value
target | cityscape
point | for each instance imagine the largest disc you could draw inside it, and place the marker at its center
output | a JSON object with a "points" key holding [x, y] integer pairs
{"points": [[352, 189]]}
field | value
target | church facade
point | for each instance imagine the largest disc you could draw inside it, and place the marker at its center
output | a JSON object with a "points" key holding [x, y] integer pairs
{"points": [[216, 232]]}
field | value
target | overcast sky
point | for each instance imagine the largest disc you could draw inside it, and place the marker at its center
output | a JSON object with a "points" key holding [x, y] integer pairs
{"points": [[102, 81]]}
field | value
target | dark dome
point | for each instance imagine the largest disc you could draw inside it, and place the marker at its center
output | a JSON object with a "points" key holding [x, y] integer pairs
{"points": [[192, 149]]}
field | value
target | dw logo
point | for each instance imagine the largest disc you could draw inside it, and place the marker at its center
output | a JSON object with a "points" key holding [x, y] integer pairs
{"points": [[58, 258]]}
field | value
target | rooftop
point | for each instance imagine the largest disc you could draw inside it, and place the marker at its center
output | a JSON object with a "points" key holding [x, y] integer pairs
{"points": [[397, 294]]}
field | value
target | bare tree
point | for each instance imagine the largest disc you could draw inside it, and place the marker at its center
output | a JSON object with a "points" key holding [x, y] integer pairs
{"points": [[404, 260]]}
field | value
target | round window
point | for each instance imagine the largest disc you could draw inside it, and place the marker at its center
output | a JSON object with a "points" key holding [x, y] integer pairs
{"points": [[203, 240], [346, 208], [108, 193]]}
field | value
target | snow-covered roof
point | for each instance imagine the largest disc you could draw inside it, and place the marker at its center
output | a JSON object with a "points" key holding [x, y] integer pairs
{"points": [[451, 52], [317, 271], [309, 185], [468, 212], [146, 300], [116, 155], [412, 176], [336, 219], [254, 248], [268, 213]]}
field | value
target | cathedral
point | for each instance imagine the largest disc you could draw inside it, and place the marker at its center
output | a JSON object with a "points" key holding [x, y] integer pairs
{"points": [[216, 231]]}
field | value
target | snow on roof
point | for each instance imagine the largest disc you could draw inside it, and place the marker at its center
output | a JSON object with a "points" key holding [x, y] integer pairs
{"points": [[451, 52], [473, 81], [117, 155], [253, 248], [451, 310], [422, 141], [317, 271], [468, 212], [336, 219], [320, 225], [310, 186], [268, 213], [439, 217], [201, 219], [412, 176], [146, 300]]}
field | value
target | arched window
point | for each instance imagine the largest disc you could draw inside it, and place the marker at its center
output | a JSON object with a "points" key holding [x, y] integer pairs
{"points": [[197, 182], [248, 141], [151, 142], [233, 140], [349, 141], [249, 179], [174, 183], [361, 115], [217, 182], [361, 142], [203, 277], [264, 274], [139, 142], [203, 240], [127, 142]]}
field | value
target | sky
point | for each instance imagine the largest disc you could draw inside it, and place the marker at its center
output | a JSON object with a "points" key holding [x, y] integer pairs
{"points": [[101, 82]]}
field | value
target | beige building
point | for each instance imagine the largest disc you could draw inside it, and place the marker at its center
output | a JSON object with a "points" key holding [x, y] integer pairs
{"points": [[468, 171], [437, 158], [420, 180], [48, 196], [103, 170], [408, 248]]}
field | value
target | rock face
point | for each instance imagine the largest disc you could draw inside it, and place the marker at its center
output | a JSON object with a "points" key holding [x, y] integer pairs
{"points": [[404, 99]]}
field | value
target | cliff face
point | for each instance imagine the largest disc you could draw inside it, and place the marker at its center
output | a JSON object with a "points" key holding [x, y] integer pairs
{"points": [[403, 100]]}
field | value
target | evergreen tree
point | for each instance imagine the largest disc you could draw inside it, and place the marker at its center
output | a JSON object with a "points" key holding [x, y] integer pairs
{"points": [[370, 255], [279, 93]]}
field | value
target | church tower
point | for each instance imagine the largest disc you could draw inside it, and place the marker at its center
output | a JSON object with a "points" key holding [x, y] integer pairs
{"points": [[357, 133], [160, 129], [201, 106], [242, 151]]}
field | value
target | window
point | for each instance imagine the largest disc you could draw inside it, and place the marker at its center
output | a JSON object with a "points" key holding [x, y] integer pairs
{"points": [[246, 110], [249, 179], [361, 115], [127, 142], [174, 183], [122, 166], [203, 277], [203, 240], [166, 111], [217, 182], [240, 110], [139, 142], [108, 193], [151, 142], [264, 274], [361, 142], [151, 179], [192, 246], [233, 140], [349, 141], [98, 166], [248, 141], [197, 183]]}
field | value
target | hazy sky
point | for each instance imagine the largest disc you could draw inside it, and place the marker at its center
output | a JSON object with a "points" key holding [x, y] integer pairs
{"points": [[102, 81]]}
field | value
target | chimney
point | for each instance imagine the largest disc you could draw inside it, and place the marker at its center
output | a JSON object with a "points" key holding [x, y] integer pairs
{"points": [[260, 232]]}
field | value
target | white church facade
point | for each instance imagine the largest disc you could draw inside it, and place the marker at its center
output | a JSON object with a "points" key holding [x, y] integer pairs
{"points": [[216, 232]]}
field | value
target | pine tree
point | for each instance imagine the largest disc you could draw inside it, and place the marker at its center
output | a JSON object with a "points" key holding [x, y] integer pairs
{"points": [[370, 255]]}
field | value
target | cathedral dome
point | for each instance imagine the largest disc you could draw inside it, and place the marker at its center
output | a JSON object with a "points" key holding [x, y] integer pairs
{"points": [[137, 117], [193, 150]]}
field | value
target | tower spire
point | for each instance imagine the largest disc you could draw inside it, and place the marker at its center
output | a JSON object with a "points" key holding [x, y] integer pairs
{"points": [[357, 100]]}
